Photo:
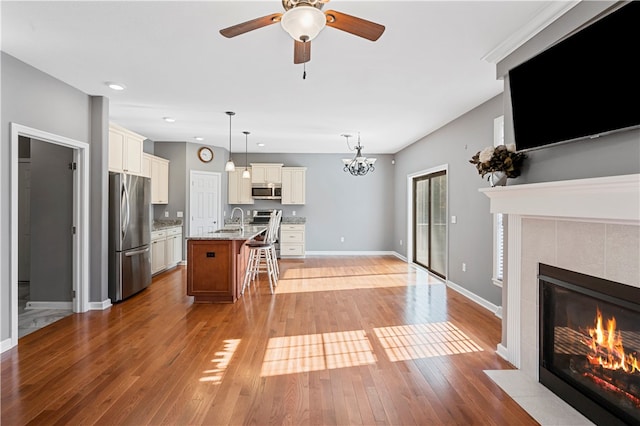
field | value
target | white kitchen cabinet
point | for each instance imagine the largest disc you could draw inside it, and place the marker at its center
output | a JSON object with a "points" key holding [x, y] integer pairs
{"points": [[159, 180], [173, 252], [292, 238], [239, 188], [166, 248], [294, 185], [158, 251], [266, 173], [125, 150], [146, 164]]}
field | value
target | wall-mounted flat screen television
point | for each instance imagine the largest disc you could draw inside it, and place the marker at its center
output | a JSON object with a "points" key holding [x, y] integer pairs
{"points": [[584, 86]]}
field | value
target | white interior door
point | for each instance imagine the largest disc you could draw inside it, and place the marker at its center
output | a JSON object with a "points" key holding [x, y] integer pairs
{"points": [[204, 202]]}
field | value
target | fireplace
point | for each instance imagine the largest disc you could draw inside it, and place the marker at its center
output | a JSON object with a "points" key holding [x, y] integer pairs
{"points": [[590, 344]]}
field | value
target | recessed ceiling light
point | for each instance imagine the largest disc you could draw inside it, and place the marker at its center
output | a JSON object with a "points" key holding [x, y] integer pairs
{"points": [[115, 86], [260, 144], [198, 138], [169, 119]]}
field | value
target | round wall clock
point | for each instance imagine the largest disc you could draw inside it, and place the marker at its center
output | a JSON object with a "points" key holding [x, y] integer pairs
{"points": [[205, 154]]}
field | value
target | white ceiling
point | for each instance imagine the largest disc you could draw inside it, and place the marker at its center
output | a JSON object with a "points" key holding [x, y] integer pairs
{"points": [[426, 70]]}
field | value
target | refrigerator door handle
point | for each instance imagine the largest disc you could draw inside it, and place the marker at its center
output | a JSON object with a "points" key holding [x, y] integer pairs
{"points": [[125, 202], [137, 252]]}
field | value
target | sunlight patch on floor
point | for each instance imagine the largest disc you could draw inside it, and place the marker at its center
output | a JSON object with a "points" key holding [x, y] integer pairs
{"points": [[313, 352], [295, 280], [406, 342], [221, 361]]}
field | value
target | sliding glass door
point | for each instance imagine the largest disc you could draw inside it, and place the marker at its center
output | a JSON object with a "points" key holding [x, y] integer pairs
{"points": [[430, 222]]}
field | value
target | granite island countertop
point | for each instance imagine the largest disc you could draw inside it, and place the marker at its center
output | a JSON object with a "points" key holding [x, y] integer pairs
{"points": [[231, 233]]}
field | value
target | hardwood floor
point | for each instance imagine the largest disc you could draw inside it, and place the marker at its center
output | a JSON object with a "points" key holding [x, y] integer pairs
{"points": [[345, 340]]}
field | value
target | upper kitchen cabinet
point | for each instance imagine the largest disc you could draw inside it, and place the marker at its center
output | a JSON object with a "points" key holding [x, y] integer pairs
{"points": [[159, 180], [239, 188], [266, 173], [157, 169], [293, 185], [125, 150]]}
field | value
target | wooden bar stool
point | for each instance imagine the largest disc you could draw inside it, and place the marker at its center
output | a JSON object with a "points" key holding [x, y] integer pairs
{"points": [[263, 253]]}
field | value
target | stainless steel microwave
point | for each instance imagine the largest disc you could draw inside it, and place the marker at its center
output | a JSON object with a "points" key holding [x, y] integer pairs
{"points": [[266, 192]]}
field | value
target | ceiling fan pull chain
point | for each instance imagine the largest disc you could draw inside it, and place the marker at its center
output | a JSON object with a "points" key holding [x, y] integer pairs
{"points": [[304, 71]]}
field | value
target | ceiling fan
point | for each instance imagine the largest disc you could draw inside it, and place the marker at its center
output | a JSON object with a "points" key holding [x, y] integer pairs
{"points": [[303, 20]]}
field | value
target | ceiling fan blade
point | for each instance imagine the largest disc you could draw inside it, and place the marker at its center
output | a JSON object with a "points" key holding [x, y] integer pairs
{"points": [[254, 24], [301, 52], [356, 26]]}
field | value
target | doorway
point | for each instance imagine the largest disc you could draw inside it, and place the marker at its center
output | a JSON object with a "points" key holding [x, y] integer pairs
{"points": [[429, 224], [78, 270], [204, 202], [45, 224]]}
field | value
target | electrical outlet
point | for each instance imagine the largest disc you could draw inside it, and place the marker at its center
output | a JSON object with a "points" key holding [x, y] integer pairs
{"points": [[454, 219], [293, 213], [400, 242], [464, 267], [342, 239], [179, 214], [166, 214]]}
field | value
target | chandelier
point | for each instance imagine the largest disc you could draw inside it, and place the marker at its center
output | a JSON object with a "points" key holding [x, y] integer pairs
{"points": [[359, 165]]}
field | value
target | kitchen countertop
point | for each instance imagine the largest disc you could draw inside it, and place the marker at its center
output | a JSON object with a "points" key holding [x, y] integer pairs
{"points": [[285, 219], [250, 231], [159, 224], [294, 220]]}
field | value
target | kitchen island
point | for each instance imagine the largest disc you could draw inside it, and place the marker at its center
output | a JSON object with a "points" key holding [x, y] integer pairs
{"points": [[216, 263]]}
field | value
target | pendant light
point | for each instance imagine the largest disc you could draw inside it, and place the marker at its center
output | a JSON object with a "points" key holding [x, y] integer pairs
{"points": [[230, 166], [246, 174]]}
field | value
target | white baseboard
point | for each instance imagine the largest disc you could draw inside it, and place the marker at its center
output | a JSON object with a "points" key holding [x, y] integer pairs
{"points": [[399, 256], [474, 297], [6, 344], [502, 352], [182, 263], [349, 253], [49, 305], [499, 312], [100, 306]]}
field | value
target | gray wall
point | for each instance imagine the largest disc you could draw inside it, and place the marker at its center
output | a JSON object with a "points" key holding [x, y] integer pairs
{"points": [[35, 99], [51, 222], [470, 239], [337, 204]]}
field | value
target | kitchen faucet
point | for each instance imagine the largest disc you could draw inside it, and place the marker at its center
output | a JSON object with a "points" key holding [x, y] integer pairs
{"points": [[241, 217]]}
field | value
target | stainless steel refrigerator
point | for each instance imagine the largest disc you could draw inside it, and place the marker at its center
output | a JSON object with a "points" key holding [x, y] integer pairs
{"points": [[129, 235]]}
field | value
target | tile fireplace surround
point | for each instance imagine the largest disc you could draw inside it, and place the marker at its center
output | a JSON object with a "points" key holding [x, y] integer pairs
{"points": [[590, 226]]}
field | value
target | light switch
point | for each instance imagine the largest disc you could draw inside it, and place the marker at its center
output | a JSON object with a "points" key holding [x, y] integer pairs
{"points": [[179, 214], [454, 219]]}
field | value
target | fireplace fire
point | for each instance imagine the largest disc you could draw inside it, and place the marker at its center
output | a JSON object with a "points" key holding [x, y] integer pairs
{"points": [[590, 344]]}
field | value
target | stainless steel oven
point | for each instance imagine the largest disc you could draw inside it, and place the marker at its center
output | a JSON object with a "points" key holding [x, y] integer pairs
{"points": [[262, 217]]}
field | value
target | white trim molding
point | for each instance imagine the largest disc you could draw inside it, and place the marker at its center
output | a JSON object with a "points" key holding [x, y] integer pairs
{"points": [[100, 306], [345, 253], [80, 218], [474, 297]]}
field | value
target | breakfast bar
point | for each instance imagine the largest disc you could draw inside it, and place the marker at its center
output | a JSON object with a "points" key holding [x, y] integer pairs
{"points": [[217, 261]]}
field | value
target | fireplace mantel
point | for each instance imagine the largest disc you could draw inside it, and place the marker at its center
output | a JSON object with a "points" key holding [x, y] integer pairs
{"points": [[608, 200]]}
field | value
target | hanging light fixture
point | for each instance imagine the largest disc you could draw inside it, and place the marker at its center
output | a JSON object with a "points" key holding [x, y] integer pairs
{"points": [[304, 21], [230, 166], [246, 174], [358, 165]]}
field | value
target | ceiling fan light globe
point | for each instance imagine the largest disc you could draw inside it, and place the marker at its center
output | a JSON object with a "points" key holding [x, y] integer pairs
{"points": [[303, 22]]}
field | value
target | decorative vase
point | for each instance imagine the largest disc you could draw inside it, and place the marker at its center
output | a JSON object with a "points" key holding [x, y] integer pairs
{"points": [[497, 179]]}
